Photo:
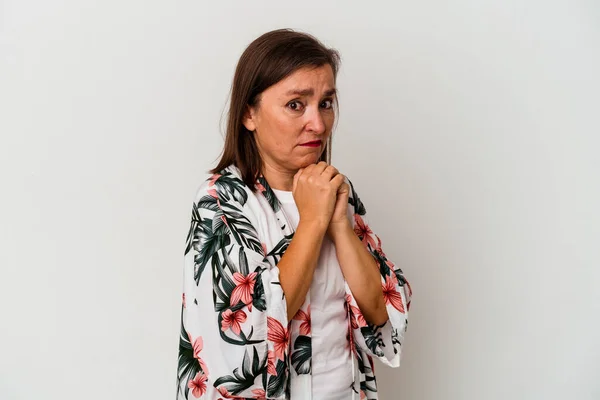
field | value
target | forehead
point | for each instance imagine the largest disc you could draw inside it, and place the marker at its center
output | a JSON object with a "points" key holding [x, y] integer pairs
{"points": [[307, 81]]}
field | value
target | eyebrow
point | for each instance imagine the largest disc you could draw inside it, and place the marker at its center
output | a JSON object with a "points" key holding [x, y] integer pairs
{"points": [[309, 92]]}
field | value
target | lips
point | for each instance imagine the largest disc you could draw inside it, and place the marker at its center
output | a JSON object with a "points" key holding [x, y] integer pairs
{"points": [[315, 143]]}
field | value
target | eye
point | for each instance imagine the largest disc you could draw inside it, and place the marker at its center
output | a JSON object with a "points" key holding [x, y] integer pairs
{"points": [[295, 105], [327, 104]]}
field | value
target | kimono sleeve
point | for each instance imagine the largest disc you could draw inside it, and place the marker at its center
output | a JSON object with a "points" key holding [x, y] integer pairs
{"points": [[234, 316], [381, 341]]}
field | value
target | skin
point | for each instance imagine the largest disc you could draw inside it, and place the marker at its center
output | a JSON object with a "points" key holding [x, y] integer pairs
{"points": [[297, 110]]}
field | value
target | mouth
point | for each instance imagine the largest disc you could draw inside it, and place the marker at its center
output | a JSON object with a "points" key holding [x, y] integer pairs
{"points": [[315, 143]]}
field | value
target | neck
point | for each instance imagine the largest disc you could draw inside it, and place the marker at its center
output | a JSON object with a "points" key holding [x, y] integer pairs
{"points": [[279, 178]]}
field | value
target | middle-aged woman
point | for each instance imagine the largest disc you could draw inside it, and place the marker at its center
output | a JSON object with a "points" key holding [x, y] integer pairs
{"points": [[287, 292]]}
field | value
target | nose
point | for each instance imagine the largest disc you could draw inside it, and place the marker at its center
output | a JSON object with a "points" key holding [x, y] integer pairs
{"points": [[316, 123]]}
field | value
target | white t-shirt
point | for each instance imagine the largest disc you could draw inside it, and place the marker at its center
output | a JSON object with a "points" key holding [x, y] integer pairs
{"points": [[331, 360]]}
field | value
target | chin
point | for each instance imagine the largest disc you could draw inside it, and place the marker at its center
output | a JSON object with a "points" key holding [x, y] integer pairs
{"points": [[305, 160], [308, 161]]}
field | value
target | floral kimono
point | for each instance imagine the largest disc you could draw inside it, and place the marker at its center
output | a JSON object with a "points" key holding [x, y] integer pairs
{"points": [[236, 342]]}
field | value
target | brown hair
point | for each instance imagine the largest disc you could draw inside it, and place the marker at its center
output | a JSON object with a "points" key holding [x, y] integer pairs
{"points": [[267, 60]]}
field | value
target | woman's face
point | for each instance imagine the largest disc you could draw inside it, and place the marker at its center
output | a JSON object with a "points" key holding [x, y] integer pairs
{"points": [[294, 118]]}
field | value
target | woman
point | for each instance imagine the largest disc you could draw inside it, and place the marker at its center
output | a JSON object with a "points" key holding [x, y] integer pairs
{"points": [[287, 293]]}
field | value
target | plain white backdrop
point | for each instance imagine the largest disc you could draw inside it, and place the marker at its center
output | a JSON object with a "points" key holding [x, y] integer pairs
{"points": [[470, 129]]}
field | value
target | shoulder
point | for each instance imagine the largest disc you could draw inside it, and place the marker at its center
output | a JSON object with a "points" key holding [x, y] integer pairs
{"points": [[225, 188]]}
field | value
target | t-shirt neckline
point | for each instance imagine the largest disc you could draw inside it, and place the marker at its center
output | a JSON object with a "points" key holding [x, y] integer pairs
{"points": [[284, 196]]}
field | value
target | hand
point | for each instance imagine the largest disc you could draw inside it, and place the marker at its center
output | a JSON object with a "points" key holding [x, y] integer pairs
{"points": [[339, 219], [315, 191]]}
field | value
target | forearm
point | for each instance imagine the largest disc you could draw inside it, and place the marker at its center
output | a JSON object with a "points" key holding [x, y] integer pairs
{"points": [[361, 273], [297, 266]]}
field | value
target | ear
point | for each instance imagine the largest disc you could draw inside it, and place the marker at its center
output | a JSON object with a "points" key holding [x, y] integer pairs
{"points": [[249, 120]]}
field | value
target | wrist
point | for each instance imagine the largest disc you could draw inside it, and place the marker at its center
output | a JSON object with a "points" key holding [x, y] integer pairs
{"points": [[336, 230], [314, 226]]}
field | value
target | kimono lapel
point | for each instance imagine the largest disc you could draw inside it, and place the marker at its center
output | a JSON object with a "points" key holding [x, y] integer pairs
{"points": [[299, 327], [265, 189]]}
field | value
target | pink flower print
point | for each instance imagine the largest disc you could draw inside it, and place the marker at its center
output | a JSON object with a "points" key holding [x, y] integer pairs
{"points": [[260, 187], [183, 300], [198, 345], [353, 321], [264, 248], [353, 346], [360, 319], [390, 264], [378, 246], [198, 384], [233, 320], [213, 193], [259, 393], [363, 395], [305, 318], [211, 190], [213, 179], [225, 393], [363, 231], [409, 296], [271, 370], [357, 319], [280, 337], [409, 289], [391, 295], [244, 288], [351, 318], [350, 338]]}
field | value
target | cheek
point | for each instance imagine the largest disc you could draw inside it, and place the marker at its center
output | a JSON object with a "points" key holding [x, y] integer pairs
{"points": [[271, 139], [329, 119], [284, 133]]}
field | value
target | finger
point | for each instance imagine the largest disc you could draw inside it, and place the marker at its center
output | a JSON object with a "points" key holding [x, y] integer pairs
{"points": [[319, 168], [329, 172], [343, 189], [337, 181]]}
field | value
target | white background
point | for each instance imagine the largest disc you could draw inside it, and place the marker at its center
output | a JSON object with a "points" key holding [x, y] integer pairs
{"points": [[470, 130]]}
